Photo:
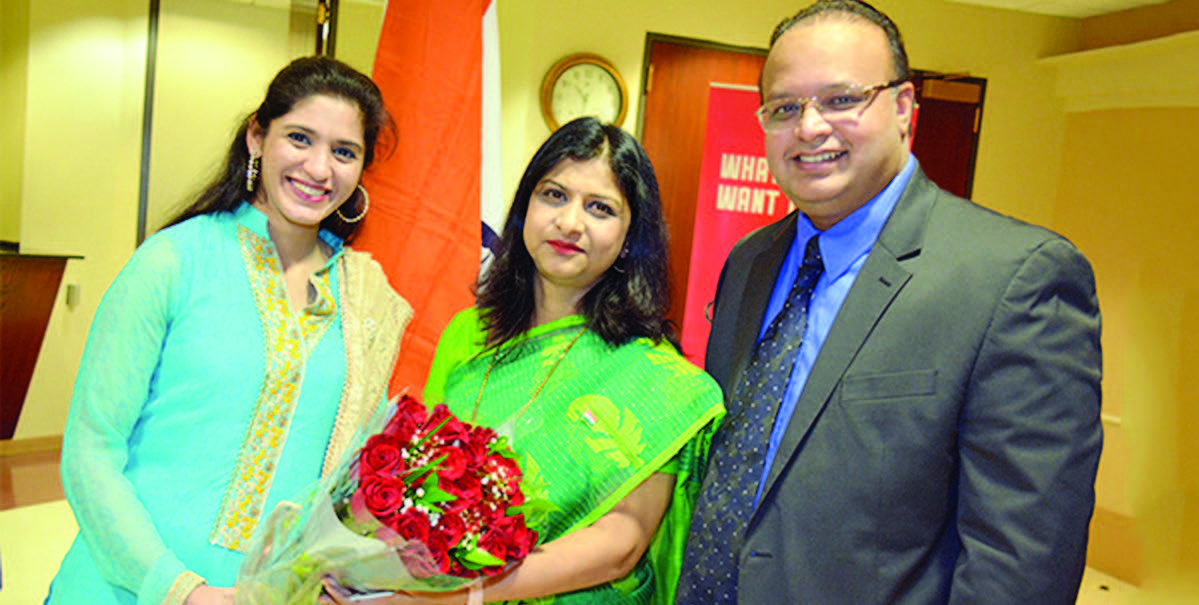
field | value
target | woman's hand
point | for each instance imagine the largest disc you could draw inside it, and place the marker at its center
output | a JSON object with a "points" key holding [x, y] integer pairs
{"points": [[336, 593], [210, 595]]}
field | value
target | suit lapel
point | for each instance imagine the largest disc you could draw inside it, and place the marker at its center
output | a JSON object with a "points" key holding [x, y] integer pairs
{"points": [[763, 273], [880, 280]]}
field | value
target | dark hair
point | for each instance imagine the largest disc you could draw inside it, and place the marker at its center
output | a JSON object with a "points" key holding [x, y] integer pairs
{"points": [[631, 298], [854, 10], [301, 79]]}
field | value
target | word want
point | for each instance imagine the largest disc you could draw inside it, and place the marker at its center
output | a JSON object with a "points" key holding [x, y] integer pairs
{"points": [[742, 198]]}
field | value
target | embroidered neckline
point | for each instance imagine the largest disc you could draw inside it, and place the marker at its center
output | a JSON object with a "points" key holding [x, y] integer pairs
{"points": [[288, 341]]}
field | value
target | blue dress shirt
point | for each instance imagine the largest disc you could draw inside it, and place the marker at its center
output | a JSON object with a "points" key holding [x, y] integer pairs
{"points": [[844, 247]]}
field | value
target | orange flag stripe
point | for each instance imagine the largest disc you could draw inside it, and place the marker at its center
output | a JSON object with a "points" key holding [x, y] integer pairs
{"points": [[424, 225]]}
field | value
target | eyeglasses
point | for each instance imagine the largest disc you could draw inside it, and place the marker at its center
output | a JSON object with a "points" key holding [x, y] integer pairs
{"points": [[838, 104]]}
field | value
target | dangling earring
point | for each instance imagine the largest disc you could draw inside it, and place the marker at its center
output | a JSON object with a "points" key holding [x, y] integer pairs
{"points": [[366, 205], [251, 173], [616, 265]]}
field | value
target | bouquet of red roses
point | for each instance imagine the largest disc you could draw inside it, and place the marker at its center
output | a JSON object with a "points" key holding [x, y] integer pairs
{"points": [[428, 503]]}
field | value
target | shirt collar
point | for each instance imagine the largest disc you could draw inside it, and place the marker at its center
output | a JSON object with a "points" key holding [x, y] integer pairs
{"points": [[853, 236]]}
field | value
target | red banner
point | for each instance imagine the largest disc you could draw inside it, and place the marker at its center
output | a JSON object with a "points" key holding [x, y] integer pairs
{"points": [[736, 196]]}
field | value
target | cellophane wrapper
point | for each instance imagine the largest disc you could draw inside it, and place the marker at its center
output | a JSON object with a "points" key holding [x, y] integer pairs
{"points": [[421, 501]]}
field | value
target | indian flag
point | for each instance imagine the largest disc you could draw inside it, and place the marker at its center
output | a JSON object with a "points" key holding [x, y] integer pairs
{"points": [[436, 202]]}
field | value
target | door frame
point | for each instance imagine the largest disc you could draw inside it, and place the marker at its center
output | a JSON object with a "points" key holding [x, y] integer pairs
{"points": [[647, 67]]}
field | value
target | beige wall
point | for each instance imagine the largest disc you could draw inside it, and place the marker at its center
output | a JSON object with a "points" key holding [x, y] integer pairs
{"points": [[214, 62], [79, 171], [1116, 180], [1133, 212], [358, 32], [1127, 198], [1001, 46], [14, 41]]}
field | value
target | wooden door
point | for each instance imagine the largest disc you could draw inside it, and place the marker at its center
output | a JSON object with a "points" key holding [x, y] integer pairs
{"points": [[947, 126], [677, 72]]}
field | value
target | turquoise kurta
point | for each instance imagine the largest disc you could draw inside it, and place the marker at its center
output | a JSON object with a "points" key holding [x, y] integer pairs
{"points": [[200, 403]]}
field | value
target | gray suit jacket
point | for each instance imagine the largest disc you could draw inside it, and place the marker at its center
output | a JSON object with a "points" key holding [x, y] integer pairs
{"points": [[945, 445]]}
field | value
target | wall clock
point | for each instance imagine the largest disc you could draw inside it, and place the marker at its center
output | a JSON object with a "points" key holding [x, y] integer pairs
{"points": [[583, 85]]}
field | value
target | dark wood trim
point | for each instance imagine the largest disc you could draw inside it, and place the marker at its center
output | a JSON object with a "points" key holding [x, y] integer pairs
{"points": [[143, 190], [9, 254], [29, 286], [31, 445]]}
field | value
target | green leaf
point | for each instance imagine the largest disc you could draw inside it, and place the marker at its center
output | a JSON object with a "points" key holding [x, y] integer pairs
{"points": [[420, 470], [304, 566], [436, 494], [533, 507], [502, 448], [420, 441], [477, 558]]}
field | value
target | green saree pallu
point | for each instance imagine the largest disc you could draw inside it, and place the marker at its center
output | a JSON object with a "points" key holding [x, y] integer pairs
{"points": [[589, 423]]}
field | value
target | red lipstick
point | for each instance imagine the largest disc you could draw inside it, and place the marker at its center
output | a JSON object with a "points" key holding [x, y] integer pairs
{"points": [[564, 247]]}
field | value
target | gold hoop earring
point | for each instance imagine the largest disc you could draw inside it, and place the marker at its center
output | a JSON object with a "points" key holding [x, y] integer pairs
{"points": [[251, 173], [366, 205]]}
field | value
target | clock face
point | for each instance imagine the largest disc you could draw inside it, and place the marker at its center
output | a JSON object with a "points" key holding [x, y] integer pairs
{"points": [[586, 89]]}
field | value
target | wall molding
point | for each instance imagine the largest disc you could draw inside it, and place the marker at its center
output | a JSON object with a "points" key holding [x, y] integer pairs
{"points": [[31, 445], [1163, 72], [1114, 546]]}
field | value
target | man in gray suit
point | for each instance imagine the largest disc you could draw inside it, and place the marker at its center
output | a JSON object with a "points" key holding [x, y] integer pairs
{"points": [[931, 433]]}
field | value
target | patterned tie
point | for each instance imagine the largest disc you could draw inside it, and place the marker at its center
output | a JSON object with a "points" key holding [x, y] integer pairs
{"points": [[738, 450]]}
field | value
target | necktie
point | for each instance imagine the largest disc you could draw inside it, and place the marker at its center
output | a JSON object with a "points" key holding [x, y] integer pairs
{"points": [[738, 450]]}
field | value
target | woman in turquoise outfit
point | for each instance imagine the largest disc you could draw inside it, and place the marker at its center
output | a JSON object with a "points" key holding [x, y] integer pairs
{"points": [[568, 352], [234, 355]]}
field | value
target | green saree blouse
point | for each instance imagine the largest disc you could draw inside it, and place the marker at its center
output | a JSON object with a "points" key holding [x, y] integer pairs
{"points": [[589, 423]]}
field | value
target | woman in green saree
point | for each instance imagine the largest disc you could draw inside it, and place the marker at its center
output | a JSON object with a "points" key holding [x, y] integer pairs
{"points": [[569, 353]]}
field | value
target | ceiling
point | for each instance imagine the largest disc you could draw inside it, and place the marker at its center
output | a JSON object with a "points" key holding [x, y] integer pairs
{"points": [[1059, 8], [1064, 8]]}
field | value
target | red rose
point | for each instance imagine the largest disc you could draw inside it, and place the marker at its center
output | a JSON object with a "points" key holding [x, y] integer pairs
{"points": [[515, 498], [451, 429], [439, 548], [380, 457], [414, 408], [478, 444], [402, 428], [521, 539], [494, 541], [466, 488], [483, 484], [517, 538], [412, 524], [383, 495], [504, 472], [452, 527], [482, 435], [409, 415], [453, 464]]}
